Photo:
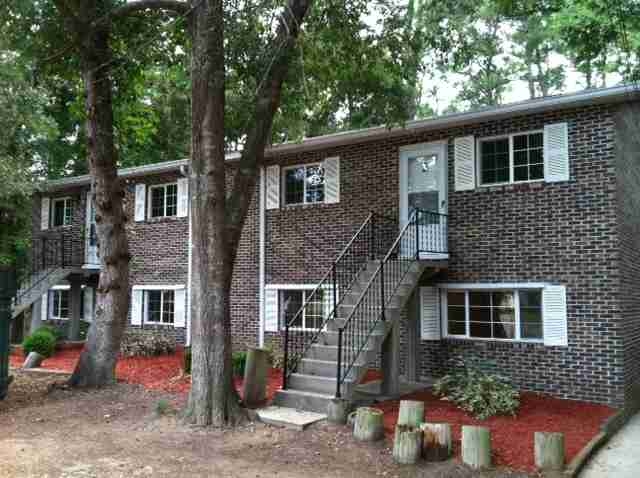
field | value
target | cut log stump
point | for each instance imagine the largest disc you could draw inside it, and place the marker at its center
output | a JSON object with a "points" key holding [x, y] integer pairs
{"points": [[337, 411], [436, 441], [411, 413], [254, 391], [476, 447], [33, 360], [368, 425], [549, 451], [407, 444]]}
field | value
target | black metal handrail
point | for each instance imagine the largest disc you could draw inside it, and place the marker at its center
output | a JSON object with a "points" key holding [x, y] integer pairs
{"points": [[369, 241], [424, 233]]}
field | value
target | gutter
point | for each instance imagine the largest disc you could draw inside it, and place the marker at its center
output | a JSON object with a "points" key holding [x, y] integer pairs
{"points": [[261, 266]]}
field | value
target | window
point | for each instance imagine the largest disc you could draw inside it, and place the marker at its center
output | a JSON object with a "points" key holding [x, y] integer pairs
{"points": [[513, 158], [160, 305], [62, 211], [495, 314], [304, 184], [60, 304], [164, 200], [311, 317]]}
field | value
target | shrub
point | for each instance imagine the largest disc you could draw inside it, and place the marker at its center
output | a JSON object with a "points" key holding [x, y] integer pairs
{"points": [[239, 360], [276, 355], [41, 341], [187, 361], [481, 393], [55, 332], [146, 345]]}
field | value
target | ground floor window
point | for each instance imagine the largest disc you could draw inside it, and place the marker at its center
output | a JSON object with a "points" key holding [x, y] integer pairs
{"points": [[291, 302], [160, 306], [59, 304], [494, 314]]}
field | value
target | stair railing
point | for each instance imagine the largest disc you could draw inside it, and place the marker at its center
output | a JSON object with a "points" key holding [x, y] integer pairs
{"points": [[370, 241], [424, 233]]}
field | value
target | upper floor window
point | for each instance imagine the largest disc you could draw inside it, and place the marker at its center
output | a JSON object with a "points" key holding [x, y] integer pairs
{"points": [[62, 212], [160, 306], [304, 184], [513, 158], [164, 200]]}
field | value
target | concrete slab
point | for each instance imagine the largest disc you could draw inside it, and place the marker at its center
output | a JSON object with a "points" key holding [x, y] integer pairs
{"points": [[619, 458], [289, 417]]}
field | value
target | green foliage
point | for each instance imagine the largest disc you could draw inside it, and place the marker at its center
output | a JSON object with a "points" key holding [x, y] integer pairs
{"points": [[276, 354], [239, 360], [54, 331], [42, 341], [478, 391]]}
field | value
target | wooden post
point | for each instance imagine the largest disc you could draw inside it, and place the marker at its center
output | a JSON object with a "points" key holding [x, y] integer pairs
{"points": [[411, 413], [549, 451], [436, 441], [337, 411], [476, 446], [33, 360], [254, 391], [407, 444], [368, 425]]}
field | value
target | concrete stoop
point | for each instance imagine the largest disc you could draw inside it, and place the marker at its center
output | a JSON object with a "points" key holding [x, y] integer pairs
{"points": [[288, 417]]}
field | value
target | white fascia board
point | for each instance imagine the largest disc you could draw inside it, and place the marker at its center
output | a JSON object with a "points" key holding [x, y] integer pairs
{"points": [[493, 286], [158, 287]]}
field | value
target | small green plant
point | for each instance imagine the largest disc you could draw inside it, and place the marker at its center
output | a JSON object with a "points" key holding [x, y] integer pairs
{"points": [[239, 360], [163, 407], [187, 361], [55, 332], [41, 341], [481, 393], [276, 355]]}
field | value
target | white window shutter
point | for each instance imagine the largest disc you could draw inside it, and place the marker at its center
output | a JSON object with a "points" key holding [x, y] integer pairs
{"points": [[464, 166], [332, 180], [556, 152], [136, 307], [271, 310], [44, 307], [273, 187], [141, 197], [554, 305], [44, 214], [179, 314], [87, 302], [183, 197], [429, 314]]}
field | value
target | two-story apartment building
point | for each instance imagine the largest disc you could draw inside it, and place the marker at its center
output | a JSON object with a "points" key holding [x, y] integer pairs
{"points": [[509, 235]]}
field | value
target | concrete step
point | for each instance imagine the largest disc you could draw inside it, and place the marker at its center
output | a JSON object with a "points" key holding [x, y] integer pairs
{"points": [[326, 368], [317, 384], [330, 337], [303, 400], [289, 417]]}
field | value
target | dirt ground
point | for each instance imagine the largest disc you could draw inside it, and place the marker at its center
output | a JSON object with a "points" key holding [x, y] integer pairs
{"points": [[116, 432]]}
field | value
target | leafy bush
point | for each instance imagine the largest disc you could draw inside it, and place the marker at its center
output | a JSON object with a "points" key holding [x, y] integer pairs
{"points": [[54, 331], [41, 341], [239, 360], [187, 361], [276, 355], [147, 345], [481, 393]]}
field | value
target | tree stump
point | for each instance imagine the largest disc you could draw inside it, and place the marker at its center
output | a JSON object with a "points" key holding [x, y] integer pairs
{"points": [[436, 441], [549, 451], [33, 360], [411, 413], [337, 411], [407, 445], [368, 424], [476, 447], [254, 391]]}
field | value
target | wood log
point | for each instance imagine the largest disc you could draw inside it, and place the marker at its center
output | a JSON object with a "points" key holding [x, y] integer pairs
{"points": [[33, 360], [338, 410], [411, 413], [436, 441], [407, 445], [254, 391], [549, 451], [476, 447], [368, 424]]}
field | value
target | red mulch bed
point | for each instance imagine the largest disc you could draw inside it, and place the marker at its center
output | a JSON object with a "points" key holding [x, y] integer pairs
{"points": [[162, 373], [512, 437]]}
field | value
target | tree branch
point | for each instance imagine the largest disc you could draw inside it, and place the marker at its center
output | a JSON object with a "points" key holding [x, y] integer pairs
{"points": [[138, 6]]}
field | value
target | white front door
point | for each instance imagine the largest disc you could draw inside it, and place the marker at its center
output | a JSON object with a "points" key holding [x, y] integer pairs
{"points": [[423, 187], [91, 238]]}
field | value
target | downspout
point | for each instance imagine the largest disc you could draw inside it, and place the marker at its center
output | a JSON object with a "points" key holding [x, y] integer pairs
{"points": [[261, 266], [183, 170]]}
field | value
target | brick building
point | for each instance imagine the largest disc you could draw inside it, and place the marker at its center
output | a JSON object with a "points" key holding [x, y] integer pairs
{"points": [[509, 235]]}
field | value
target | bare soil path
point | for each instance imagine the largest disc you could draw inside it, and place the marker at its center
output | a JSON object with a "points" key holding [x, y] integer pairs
{"points": [[116, 432]]}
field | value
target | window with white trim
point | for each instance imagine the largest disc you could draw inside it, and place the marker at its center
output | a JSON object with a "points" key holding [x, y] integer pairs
{"points": [[494, 314], [303, 184], [59, 304], [291, 300], [163, 200], [61, 212], [512, 158], [159, 306]]}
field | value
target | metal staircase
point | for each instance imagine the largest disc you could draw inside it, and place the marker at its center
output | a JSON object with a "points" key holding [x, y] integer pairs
{"points": [[368, 285]]}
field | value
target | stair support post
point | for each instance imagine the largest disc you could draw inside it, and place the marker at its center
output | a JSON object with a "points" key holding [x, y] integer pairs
{"points": [[382, 301], [417, 232], [372, 238], [339, 367], [285, 365]]}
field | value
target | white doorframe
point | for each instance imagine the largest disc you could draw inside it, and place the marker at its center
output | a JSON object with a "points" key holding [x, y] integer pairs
{"points": [[439, 148]]}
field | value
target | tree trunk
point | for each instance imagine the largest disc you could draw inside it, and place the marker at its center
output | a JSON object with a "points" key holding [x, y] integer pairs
{"points": [[436, 445], [97, 363], [476, 446], [407, 445], [411, 413], [256, 370], [368, 425], [549, 451]]}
